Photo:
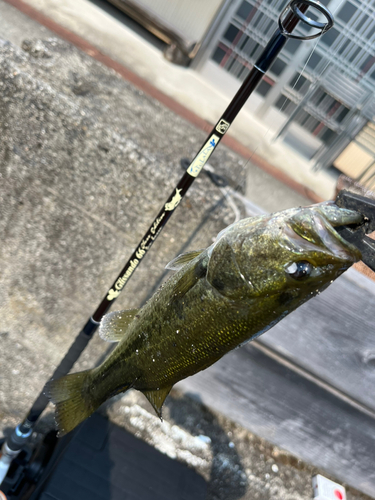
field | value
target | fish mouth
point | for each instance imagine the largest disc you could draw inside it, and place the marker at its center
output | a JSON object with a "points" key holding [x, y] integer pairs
{"points": [[335, 243], [337, 216], [314, 231]]}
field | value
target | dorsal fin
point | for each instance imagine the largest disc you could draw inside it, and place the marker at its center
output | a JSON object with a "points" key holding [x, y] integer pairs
{"points": [[157, 398], [114, 325], [178, 262]]}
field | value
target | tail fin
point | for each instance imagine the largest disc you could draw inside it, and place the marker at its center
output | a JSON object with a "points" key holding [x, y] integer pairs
{"points": [[68, 395]]}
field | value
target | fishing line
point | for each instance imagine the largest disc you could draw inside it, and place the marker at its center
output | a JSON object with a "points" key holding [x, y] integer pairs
{"points": [[300, 73], [229, 193], [226, 192], [250, 208], [317, 78], [280, 109], [256, 209]]}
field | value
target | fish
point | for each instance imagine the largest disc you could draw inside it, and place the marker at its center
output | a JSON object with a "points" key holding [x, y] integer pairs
{"points": [[257, 271]]}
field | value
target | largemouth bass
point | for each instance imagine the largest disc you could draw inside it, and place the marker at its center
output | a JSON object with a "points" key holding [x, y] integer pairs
{"points": [[258, 270]]}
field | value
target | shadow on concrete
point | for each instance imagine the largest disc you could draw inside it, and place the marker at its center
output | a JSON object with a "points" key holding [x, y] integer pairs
{"points": [[102, 461], [227, 478]]}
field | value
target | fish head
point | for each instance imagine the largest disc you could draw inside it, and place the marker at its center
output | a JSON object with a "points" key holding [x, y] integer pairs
{"points": [[292, 255]]}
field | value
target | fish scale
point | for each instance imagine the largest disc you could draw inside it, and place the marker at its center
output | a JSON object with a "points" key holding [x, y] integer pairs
{"points": [[257, 271]]}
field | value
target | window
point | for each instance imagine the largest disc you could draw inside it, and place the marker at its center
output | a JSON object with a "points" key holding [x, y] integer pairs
{"points": [[354, 53], [244, 10], [330, 36], [342, 113], [368, 64], [244, 40], [314, 61], [344, 56], [298, 81], [327, 135], [346, 12], [292, 46], [256, 50], [307, 121], [263, 88], [231, 33], [278, 67], [285, 105], [244, 71], [218, 55]]}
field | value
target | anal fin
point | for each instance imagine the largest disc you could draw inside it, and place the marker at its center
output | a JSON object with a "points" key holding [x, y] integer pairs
{"points": [[157, 398], [114, 325]]}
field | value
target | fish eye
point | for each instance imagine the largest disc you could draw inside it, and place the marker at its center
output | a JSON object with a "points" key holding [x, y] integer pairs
{"points": [[299, 270]]}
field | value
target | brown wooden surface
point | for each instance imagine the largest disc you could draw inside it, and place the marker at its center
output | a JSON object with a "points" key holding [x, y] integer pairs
{"points": [[285, 409], [332, 336]]}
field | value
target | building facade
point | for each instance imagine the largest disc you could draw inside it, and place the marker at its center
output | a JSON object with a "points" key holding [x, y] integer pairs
{"points": [[318, 95]]}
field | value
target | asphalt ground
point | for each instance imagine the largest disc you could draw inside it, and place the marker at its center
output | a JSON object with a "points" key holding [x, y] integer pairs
{"points": [[86, 160]]}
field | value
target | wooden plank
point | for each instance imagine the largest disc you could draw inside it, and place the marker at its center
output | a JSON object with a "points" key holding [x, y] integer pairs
{"points": [[286, 409], [332, 336]]}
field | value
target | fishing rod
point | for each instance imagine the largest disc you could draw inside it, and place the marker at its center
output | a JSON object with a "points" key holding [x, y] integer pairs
{"points": [[293, 13]]}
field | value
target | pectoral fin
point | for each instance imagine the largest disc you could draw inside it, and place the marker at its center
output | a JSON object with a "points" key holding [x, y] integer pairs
{"points": [[177, 263], [157, 398], [189, 278], [114, 325]]}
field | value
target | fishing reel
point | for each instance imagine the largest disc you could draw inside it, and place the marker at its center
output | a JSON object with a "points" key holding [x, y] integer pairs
{"points": [[28, 468], [294, 6]]}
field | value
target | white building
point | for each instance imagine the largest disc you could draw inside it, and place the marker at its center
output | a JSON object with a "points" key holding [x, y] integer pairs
{"points": [[318, 95]]}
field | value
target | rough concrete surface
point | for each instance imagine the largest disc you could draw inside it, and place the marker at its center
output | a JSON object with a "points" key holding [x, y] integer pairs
{"points": [[205, 92], [86, 160]]}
